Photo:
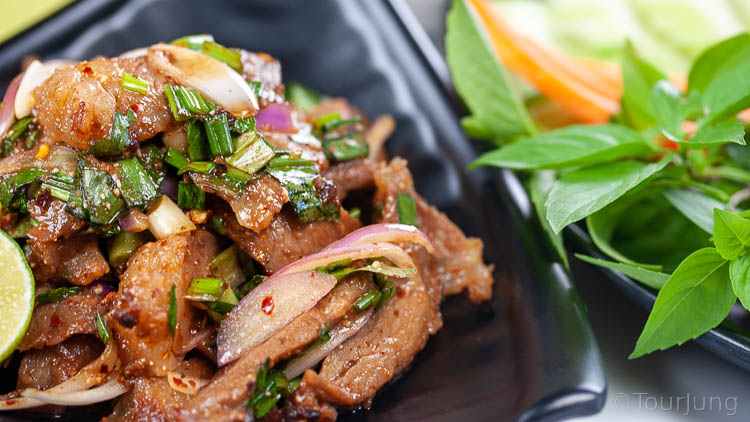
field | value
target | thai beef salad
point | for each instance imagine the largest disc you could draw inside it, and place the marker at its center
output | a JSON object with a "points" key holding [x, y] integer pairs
{"points": [[204, 243]]}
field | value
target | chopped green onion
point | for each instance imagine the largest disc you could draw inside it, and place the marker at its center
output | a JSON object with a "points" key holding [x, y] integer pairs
{"points": [[185, 102], [136, 185], [324, 336], [124, 244], [193, 42], [256, 86], [202, 167], [325, 119], [355, 213], [118, 138], [14, 133], [249, 285], [217, 224], [238, 179], [196, 144], [252, 153], [21, 229], [243, 124], [99, 201], [56, 295], [224, 304], [190, 196], [226, 266], [270, 387], [345, 148], [298, 176], [301, 96], [31, 139], [134, 83], [368, 300], [172, 311], [407, 209], [205, 289], [101, 328], [388, 290], [219, 139], [223, 54], [176, 159], [332, 124], [60, 186], [10, 185]]}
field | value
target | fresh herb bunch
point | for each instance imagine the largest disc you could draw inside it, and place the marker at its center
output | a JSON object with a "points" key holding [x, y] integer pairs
{"points": [[663, 188]]}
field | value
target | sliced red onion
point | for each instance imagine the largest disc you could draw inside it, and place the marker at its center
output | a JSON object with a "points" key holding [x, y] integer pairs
{"points": [[7, 116], [169, 187], [275, 117], [353, 252], [35, 75], [212, 78], [134, 221], [104, 392], [392, 233], [268, 308], [317, 353]]}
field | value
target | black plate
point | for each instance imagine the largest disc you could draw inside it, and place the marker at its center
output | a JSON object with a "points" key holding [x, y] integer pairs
{"points": [[527, 355]]}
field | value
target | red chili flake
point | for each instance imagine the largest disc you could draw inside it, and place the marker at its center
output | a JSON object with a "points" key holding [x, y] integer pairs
{"points": [[135, 107], [88, 71], [177, 381], [55, 321], [267, 305], [400, 292], [10, 402]]}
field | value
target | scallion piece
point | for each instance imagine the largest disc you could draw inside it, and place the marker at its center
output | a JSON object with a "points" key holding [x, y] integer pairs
{"points": [[252, 153], [172, 311], [325, 119], [185, 102], [19, 128], [226, 266], [10, 185], [100, 203], [302, 96], [219, 139], [175, 159], [256, 86], [218, 226], [407, 209], [196, 144], [202, 167], [337, 123], [193, 42], [56, 295], [101, 328], [223, 54], [367, 300], [243, 124], [345, 148], [133, 83], [226, 303], [206, 289], [124, 244], [298, 177], [190, 196], [60, 186], [137, 187], [118, 139]]}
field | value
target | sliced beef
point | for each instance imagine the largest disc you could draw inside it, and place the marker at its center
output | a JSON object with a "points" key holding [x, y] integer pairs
{"points": [[287, 239], [76, 105], [152, 399], [457, 264], [256, 206], [76, 259], [384, 347], [53, 220], [351, 176], [53, 323], [48, 367], [224, 397], [141, 329]]}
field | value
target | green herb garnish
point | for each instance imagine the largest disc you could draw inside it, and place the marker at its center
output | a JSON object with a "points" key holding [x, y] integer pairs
{"points": [[136, 185], [172, 311], [101, 328], [134, 83], [190, 196], [407, 209], [57, 294]]}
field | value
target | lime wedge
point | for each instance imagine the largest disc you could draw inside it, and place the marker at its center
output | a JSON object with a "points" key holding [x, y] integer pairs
{"points": [[16, 295]]}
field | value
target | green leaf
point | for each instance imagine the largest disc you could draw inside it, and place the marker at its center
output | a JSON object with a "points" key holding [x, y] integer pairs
{"points": [[581, 193], [668, 107], [720, 75], [653, 279], [539, 185], [696, 206], [731, 234], [481, 79], [639, 78], [695, 299], [739, 275], [570, 146], [730, 130]]}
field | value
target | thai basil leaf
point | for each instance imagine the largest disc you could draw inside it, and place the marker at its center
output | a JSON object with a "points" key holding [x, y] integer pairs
{"points": [[695, 299], [731, 234], [570, 146], [482, 80], [696, 206], [730, 130], [581, 193], [653, 279], [739, 275], [639, 78], [538, 186]]}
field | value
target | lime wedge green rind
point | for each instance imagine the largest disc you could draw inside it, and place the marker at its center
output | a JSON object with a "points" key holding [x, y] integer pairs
{"points": [[16, 295]]}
